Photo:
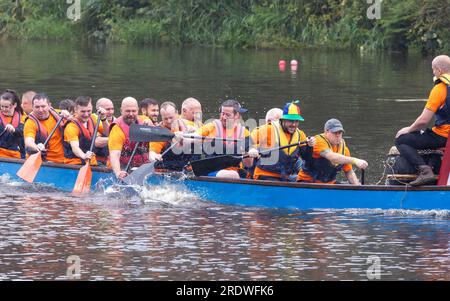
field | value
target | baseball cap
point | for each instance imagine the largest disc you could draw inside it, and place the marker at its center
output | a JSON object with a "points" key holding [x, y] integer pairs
{"points": [[334, 126]]}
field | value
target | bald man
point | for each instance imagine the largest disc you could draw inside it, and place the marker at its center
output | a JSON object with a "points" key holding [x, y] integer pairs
{"points": [[27, 99], [102, 153], [191, 115], [119, 144], [410, 139], [108, 105], [273, 115], [178, 157]]}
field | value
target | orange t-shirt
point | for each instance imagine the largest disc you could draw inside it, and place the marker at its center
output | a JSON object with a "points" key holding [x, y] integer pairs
{"points": [[321, 148], [435, 101], [157, 146], [55, 150], [262, 137], [71, 134], [7, 153]]}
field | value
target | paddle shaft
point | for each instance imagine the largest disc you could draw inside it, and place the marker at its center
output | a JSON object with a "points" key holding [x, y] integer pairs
{"points": [[143, 133], [167, 150], [266, 152], [97, 125], [131, 157], [53, 131], [134, 151], [4, 131], [363, 176], [138, 175], [205, 166], [211, 138]]}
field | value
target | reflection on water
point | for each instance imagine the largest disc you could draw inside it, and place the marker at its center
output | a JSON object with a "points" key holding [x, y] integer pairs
{"points": [[204, 241], [163, 233]]}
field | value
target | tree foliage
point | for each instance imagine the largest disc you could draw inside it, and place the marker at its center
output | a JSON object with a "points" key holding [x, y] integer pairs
{"points": [[236, 23]]}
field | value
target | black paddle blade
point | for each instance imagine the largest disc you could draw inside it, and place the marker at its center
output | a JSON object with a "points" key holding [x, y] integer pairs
{"points": [[144, 133], [205, 166], [137, 177]]}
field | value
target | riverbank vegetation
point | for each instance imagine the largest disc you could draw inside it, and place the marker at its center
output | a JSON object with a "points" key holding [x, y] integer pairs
{"points": [[403, 24]]}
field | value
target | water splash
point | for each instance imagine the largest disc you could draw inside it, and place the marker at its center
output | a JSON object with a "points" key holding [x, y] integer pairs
{"points": [[172, 194], [401, 212], [6, 179]]}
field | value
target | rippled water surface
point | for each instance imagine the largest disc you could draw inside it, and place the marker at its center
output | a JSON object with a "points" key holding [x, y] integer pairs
{"points": [[165, 234], [182, 238]]}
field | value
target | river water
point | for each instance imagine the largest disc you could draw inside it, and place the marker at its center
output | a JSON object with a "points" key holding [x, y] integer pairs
{"points": [[164, 234]]}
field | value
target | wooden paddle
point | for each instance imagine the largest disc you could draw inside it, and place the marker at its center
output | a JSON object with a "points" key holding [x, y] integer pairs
{"points": [[138, 176], [144, 133], [30, 168], [205, 166], [444, 173], [83, 182]]}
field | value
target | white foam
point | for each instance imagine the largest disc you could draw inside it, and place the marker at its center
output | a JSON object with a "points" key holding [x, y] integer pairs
{"points": [[169, 194], [402, 212], [6, 179]]}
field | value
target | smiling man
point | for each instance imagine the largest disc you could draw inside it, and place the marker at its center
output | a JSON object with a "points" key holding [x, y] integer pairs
{"points": [[281, 163], [79, 133], [39, 125]]}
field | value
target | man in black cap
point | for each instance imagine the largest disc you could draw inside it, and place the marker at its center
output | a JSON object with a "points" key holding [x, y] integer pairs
{"points": [[330, 156]]}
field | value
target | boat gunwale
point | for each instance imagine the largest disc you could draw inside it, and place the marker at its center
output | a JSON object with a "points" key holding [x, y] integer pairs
{"points": [[258, 182], [58, 165], [321, 186]]}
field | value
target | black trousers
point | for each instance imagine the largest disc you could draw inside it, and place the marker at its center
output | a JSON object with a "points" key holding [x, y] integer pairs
{"points": [[408, 145]]}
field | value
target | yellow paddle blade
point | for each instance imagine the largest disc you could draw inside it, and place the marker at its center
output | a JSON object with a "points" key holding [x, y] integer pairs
{"points": [[83, 182], [30, 168]]}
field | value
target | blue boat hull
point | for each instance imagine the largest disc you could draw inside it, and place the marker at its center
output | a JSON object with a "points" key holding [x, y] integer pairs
{"points": [[313, 196], [60, 176], [262, 193]]}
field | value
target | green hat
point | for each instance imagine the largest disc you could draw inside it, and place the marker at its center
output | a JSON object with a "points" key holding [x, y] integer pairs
{"points": [[291, 111]]}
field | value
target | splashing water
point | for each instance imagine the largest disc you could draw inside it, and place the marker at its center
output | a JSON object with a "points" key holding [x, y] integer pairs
{"points": [[171, 194], [439, 214]]}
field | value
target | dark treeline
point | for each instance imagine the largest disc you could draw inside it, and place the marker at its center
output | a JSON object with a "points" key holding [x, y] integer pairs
{"points": [[419, 24]]}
